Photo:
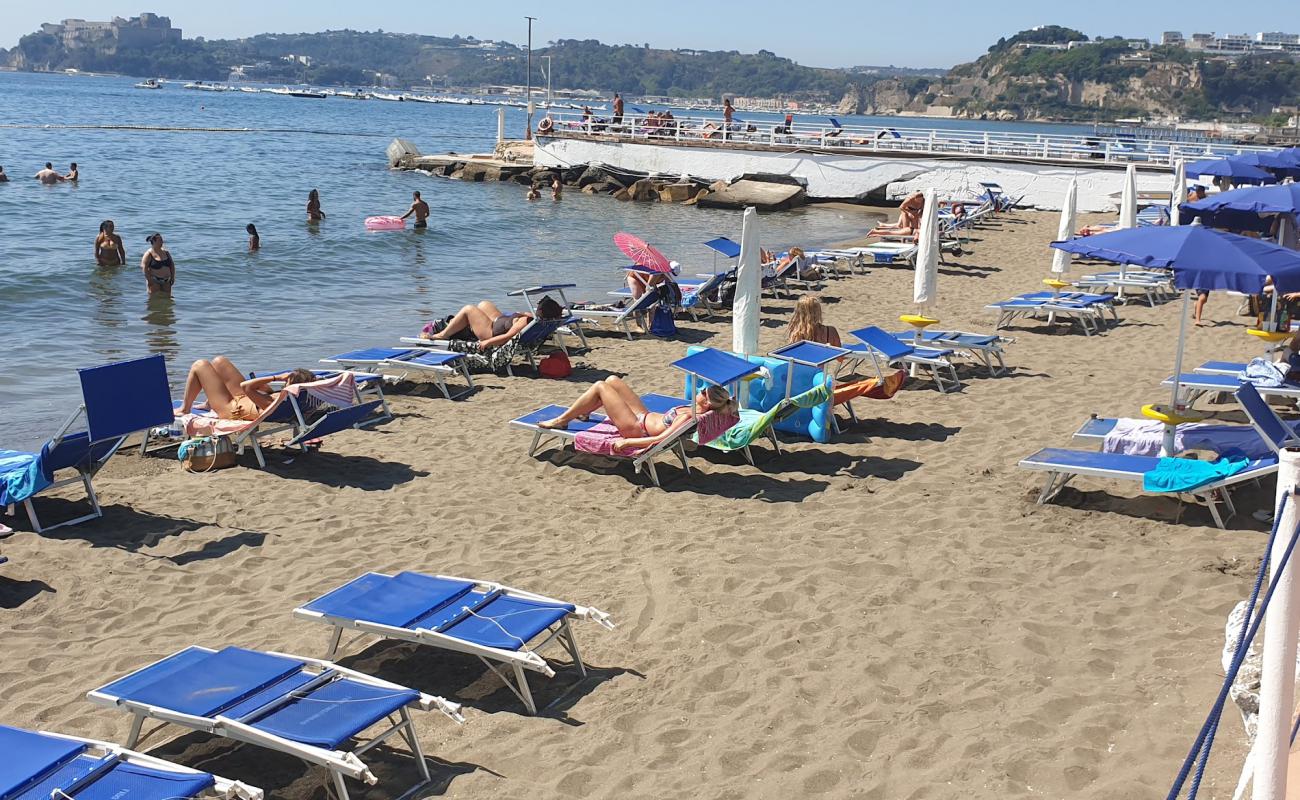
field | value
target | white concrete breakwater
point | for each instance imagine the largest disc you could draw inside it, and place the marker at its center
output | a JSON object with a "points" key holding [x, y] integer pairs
{"points": [[860, 176]]}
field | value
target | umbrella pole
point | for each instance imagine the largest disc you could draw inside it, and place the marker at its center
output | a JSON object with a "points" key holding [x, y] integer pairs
{"points": [[1167, 446]]}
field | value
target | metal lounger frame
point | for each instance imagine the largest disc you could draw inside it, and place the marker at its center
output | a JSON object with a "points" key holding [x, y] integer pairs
{"points": [[526, 658]]}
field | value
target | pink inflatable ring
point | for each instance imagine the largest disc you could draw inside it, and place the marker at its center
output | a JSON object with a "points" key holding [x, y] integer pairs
{"points": [[385, 223]]}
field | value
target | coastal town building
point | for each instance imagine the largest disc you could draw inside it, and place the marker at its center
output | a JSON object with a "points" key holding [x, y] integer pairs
{"points": [[146, 30], [1235, 44]]}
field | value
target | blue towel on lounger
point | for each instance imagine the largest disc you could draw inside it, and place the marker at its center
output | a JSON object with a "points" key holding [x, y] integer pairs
{"points": [[1186, 474], [22, 475]]}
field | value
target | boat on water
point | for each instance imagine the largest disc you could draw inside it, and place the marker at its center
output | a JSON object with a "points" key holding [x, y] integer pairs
{"points": [[149, 83], [250, 90], [353, 95], [312, 93], [392, 98], [206, 87]]}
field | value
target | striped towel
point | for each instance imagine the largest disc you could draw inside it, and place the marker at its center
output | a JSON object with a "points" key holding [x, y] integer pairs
{"points": [[712, 424]]}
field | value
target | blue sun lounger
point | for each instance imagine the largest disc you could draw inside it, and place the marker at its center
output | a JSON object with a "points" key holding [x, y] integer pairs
{"points": [[709, 365], [1197, 384], [305, 707], [1088, 310], [498, 624], [406, 361], [983, 347], [1063, 465], [621, 318], [885, 350], [118, 400], [41, 766], [527, 344]]}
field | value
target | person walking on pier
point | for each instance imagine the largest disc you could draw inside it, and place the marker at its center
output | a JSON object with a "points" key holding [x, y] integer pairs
{"points": [[618, 109], [420, 209]]}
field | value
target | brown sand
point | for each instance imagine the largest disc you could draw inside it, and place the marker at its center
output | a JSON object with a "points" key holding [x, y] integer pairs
{"points": [[885, 616]]}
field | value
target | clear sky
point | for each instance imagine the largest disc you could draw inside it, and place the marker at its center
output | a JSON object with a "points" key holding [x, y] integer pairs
{"points": [[929, 33]]}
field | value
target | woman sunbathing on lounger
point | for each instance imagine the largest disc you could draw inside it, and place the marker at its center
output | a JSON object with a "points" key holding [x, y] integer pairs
{"points": [[489, 324], [229, 394], [909, 218], [714, 410]]}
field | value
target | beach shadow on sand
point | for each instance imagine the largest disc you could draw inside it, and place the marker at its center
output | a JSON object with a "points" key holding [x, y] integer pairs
{"points": [[465, 679], [866, 429], [132, 530], [338, 470], [14, 593], [1168, 510], [282, 775]]}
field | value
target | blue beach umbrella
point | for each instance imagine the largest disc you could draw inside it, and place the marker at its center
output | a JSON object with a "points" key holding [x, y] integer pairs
{"points": [[1281, 199], [1228, 168], [1200, 258]]}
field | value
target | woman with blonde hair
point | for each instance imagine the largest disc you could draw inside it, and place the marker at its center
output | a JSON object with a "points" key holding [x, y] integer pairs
{"points": [[806, 324], [714, 412]]}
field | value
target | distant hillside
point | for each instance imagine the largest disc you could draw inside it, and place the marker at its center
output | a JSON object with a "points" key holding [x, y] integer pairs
{"points": [[1099, 79], [365, 58], [1049, 72]]}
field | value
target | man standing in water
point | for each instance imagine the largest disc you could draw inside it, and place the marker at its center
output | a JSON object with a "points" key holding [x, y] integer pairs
{"points": [[72, 173], [420, 209], [48, 176]]}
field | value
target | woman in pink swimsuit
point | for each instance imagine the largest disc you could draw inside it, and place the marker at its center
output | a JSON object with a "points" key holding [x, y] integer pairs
{"points": [[714, 411]]}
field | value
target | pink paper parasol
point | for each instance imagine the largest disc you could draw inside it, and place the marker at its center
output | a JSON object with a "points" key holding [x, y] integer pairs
{"points": [[643, 254]]}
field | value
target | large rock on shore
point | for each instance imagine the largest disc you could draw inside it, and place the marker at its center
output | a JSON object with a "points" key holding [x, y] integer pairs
{"points": [[644, 191], [760, 195], [598, 174]]}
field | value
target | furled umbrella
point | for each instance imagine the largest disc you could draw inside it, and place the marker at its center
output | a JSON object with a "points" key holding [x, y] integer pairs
{"points": [[1065, 231], [1128, 207], [642, 254], [1179, 194], [1200, 258], [925, 282], [749, 285]]}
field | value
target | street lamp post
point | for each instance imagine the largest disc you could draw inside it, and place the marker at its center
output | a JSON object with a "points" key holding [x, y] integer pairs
{"points": [[528, 132]]}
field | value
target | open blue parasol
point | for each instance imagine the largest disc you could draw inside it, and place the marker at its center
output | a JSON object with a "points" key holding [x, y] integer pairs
{"points": [[1200, 258], [1228, 168], [1280, 199]]}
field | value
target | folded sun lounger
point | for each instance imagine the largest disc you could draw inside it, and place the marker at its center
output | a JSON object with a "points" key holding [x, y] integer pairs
{"points": [[305, 707], [501, 625], [984, 347], [41, 766]]}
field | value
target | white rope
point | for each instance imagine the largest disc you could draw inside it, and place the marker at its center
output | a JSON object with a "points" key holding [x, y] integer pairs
{"points": [[493, 620]]}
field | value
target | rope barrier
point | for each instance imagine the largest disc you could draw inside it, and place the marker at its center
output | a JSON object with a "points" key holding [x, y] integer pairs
{"points": [[1200, 752]]}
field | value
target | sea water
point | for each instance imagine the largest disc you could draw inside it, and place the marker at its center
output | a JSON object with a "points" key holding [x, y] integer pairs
{"points": [[314, 289]]}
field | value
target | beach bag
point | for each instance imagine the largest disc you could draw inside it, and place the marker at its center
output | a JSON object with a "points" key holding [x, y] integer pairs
{"points": [[206, 453], [1263, 373], [662, 324], [555, 366], [670, 294]]}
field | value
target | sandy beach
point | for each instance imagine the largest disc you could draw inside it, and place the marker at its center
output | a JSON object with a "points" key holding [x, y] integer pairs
{"points": [[885, 616]]}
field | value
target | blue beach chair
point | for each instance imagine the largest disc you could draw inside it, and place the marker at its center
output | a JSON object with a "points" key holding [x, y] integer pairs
{"points": [[708, 365], [1062, 465], [987, 348], [306, 707], [40, 766], [620, 318], [405, 361], [530, 341], [118, 400], [498, 624], [885, 350]]}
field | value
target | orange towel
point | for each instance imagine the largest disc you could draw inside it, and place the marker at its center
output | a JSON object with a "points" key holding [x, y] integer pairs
{"points": [[871, 387]]}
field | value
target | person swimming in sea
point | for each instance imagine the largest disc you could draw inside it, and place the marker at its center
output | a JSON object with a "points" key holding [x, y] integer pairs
{"points": [[254, 240], [158, 267], [72, 175], [48, 176], [420, 209], [3, 177], [314, 214], [109, 250]]}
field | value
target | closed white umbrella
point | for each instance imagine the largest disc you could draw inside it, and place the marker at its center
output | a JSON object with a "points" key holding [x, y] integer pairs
{"points": [[1128, 206], [1065, 231], [925, 283], [749, 286], [1180, 190]]}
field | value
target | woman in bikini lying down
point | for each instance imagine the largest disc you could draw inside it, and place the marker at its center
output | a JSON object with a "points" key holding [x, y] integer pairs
{"points": [[229, 394], [714, 410]]}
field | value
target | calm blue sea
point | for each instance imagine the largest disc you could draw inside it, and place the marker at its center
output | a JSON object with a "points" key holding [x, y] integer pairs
{"points": [[313, 290]]}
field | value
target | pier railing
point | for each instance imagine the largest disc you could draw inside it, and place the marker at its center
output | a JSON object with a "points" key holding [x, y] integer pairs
{"points": [[809, 136]]}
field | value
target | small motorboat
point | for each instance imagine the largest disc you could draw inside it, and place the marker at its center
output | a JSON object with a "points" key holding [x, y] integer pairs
{"points": [[315, 95], [149, 83], [353, 95], [206, 87]]}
